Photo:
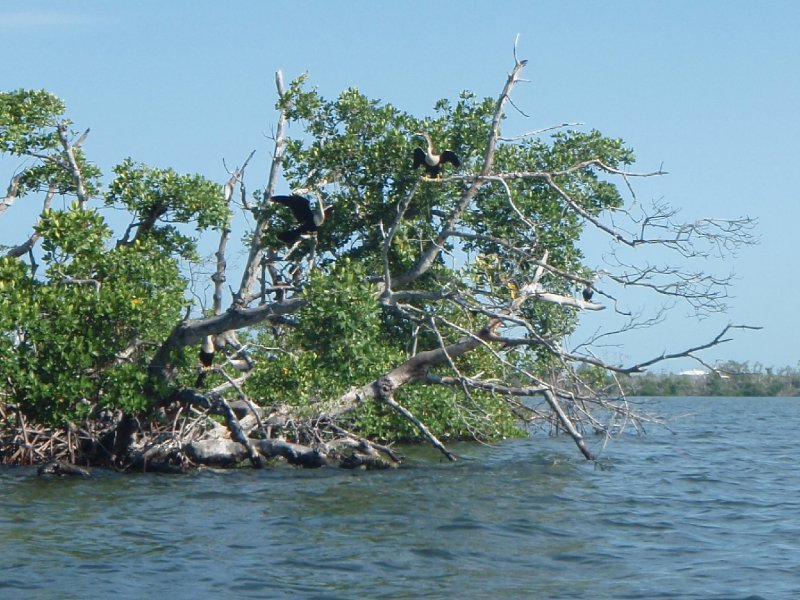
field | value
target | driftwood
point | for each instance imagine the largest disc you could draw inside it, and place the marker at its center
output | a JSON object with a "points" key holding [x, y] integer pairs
{"points": [[216, 453], [59, 467], [295, 454], [365, 455], [161, 453], [226, 453]]}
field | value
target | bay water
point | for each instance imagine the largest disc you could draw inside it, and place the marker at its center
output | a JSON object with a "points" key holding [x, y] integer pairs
{"points": [[707, 508]]}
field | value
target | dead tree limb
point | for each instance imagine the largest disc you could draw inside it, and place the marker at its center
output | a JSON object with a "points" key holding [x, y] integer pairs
{"points": [[11, 193], [28, 245], [221, 406], [435, 247], [72, 163], [253, 265]]}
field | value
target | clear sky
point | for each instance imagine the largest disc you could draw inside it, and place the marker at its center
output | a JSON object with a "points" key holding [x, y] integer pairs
{"points": [[708, 90]]}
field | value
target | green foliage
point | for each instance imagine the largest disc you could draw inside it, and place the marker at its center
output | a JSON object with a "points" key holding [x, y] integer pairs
{"points": [[82, 337], [339, 340], [163, 196], [444, 411], [28, 121], [53, 173], [73, 234], [79, 334], [366, 147]]}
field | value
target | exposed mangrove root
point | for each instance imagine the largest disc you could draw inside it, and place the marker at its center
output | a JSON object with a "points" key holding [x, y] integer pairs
{"points": [[197, 430]]}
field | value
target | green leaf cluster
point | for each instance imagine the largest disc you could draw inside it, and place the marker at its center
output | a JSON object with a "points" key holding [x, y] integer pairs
{"points": [[81, 338], [160, 199], [338, 340], [77, 335], [29, 121], [365, 148]]}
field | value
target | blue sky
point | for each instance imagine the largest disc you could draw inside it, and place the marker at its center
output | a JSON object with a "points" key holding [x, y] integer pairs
{"points": [[710, 90]]}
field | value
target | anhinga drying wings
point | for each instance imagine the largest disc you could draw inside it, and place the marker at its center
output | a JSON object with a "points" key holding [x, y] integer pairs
{"points": [[206, 355], [309, 220], [430, 160]]}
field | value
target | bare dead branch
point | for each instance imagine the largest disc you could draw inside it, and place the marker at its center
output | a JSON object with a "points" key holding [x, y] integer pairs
{"points": [[433, 250], [718, 339], [536, 132], [222, 407], [74, 168], [567, 423], [11, 193], [252, 268], [190, 332], [74, 281], [219, 277], [27, 246]]}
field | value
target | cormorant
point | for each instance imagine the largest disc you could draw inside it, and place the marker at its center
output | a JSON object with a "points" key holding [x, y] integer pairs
{"points": [[431, 161], [206, 355], [588, 292], [309, 220]]}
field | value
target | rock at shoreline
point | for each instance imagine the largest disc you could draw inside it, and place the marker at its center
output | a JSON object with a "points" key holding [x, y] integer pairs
{"points": [[59, 467]]}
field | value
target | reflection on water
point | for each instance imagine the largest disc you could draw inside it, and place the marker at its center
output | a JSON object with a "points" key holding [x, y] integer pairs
{"points": [[709, 511]]}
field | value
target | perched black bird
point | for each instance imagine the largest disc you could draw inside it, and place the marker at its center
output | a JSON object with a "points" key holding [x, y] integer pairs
{"points": [[207, 351], [430, 160], [588, 292], [309, 220]]}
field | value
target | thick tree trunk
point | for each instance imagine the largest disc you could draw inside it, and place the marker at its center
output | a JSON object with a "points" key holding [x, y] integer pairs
{"points": [[192, 331]]}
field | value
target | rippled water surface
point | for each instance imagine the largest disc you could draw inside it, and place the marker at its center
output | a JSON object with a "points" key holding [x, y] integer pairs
{"points": [[709, 509]]}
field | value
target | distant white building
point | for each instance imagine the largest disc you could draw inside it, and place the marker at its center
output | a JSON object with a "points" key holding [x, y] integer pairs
{"points": [[693, 373]]}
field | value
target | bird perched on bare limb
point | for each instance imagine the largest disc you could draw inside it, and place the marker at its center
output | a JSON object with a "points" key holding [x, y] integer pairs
{"points": [[588, 290], [430, 160], [207, 351]]}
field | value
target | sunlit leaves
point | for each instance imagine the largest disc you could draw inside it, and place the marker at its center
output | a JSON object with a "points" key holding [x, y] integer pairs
{"points": [[78, 334], [358, 152], [54, 174], [339, 340], [81, 337], [72, 345], [73, 234], [163, 198], [28, 119]]}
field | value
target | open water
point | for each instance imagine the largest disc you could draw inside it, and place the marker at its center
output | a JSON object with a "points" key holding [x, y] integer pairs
{"points": [[708, 509]]}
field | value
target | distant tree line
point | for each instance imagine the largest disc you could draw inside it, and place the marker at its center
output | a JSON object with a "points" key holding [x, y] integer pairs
{"points": [[731, 379]]}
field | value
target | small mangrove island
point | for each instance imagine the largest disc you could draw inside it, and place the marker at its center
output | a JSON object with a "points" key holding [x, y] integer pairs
{"points": [[371, 277]]}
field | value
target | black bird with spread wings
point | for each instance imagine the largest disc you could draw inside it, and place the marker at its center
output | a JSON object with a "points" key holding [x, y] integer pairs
{"points": [[309, 220], [430, 160]]}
